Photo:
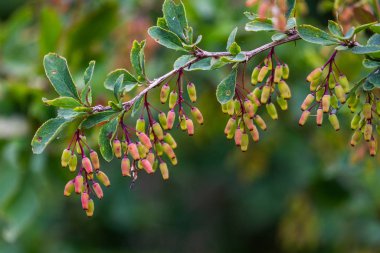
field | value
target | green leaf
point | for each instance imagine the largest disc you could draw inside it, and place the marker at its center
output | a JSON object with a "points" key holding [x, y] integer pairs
{"points": [[374, 78], [226, 88], [49, 37], [260, 25], [349, 33], [57, 71], [175, 16], [279, 36], [166, 38], [70, 114], [292, 4], [191, 46], [368, 86], [47, 132], [291, 23], [335, 29], [236, 58], [370, 64], [106, 134], [161, 22], [231, 38], [363, 27], [370, 49], [63, 102], [138, 58], [317, 36], [250, 15], [375, 28], [234, 49], [374, 40], [117, 86], [97, 118], [136, 105], [204, 64], [129, 81], [86, 94]]}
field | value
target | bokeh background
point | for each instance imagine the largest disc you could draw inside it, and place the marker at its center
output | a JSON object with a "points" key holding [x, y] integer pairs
{"points": [[297, 190]]}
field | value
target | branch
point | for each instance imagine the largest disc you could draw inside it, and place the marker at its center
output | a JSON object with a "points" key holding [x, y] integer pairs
{"points": [[200, 54]]}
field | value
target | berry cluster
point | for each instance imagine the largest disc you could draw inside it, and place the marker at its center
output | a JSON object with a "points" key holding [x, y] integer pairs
{"points": [[84, 182]]}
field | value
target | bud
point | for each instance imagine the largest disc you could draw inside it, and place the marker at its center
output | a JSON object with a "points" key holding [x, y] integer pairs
{"points": [[319, 117], [171, 119], [173, 99], [69, 188], [367, 111], [102, 177], [230, 126], [168, 150], [265, 94], [98, 190], [190, 127], [78, 183], [87, 165], [191, 91], [255, 75], [373, 147], [334, 121], [285, 71], [73, 162], [340, 93], [244, 142], [158, 131], [94, 159], [368, 131], [260, 122], [314, 75], [133, 151], [238, 136], [168, 138], [357, 135], [230, 107], [307, 102], [164, 94], [125, 167], [140, 125], [116, 146], [314, 85], [84, 199], [272, 111], [344, 82], [355, 122], [65, 158], [248, 106], [150, 157], [248, 121], [147, 166], [182, 123], [164, 170], [282, 103], [303, 119], [263, 72], [277, 74], [255, 134], [145, 140], [197, 115], [163, 121], [284, 90]]}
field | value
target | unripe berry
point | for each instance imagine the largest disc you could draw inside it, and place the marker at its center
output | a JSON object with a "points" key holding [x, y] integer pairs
{"points": [[84, 199], [125, 167], [277, 74], [255, 134], [251, 96], [368, 131], [230, 126], [378, 107], [78, 148], [356, 136], [190, 127], [268, 62], [319, 117], [284, 90], [230, 107], [159, 149], [150, 157], [164, 170], [344, 82], [102, 177], [142, 150], [140, 125], [367, 111], [238, 136], [244, 142], [303, 119], [197, 115], [147, 166], [326, 103], [182, 123], [155, 165], [314, 85], [225, 108], [260, 122], [116, 146], [158, 130], [255, 75], [163, 121], [340, 93], [133, 151], [69, 188], [334, 121], [307, 102], [174, 161], [191, 91], [249, 109], [265, 94], [168, 138], [65, 158], [73, 162], [237, 106], [164, 94], [171, 119], [355, 122], [94, 159], [285, 71], [248, 121], [87, 165], [314, 75], [98, 190], [263, 72], [173, 99], [372, 147], [282, 103], [90, 209], [168, 150], [257, 92], [334, 102], [272, 111], [145, 140], [78, 183]]}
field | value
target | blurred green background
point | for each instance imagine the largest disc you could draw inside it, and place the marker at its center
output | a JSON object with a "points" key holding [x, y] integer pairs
{"points": [[297, 190]]}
